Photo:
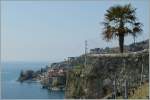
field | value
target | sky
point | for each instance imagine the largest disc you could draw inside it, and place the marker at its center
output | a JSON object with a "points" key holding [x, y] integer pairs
{"points": [[50, 31]]}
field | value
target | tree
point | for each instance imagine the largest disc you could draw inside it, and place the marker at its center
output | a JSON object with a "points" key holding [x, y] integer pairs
{"points": [[121, 21]]}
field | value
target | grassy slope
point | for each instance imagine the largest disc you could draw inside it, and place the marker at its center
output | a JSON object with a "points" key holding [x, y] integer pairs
{"points": [[141, 92]]}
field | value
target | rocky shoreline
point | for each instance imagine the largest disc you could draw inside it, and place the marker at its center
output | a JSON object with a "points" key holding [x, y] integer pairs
{"points": [[50, 78], [71, 76]]}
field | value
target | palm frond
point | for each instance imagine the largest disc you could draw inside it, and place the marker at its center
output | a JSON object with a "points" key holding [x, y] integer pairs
{"points": [[117, 17]]}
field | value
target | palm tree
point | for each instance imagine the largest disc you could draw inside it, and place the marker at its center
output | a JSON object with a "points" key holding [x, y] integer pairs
{"points": [[121, 21]]}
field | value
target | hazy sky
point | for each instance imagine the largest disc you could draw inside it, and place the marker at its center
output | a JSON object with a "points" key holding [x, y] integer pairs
{"points": [[54, 30]]}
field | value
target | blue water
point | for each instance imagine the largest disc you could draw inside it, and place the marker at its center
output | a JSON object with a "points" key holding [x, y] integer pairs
{"points": [[11, 89]]}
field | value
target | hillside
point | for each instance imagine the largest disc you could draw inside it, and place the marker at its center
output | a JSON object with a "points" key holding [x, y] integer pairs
{"points": [[96, 80]]}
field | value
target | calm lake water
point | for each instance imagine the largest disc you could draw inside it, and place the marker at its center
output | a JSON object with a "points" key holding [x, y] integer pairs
{"points": [[11, 89]]}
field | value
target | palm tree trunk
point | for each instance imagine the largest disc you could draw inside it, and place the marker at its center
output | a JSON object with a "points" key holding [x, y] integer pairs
{"points": [[134, 41], [121, 42]]}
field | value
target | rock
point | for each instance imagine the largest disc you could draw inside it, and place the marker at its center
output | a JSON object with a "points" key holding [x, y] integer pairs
{"points": [[100, 72], [27, 75]]}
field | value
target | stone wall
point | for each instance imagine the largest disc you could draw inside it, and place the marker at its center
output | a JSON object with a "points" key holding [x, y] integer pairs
{"points": [[96, 80]]}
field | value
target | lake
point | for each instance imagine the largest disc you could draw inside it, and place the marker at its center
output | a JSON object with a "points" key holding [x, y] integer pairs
{"points": [[11, 89]]}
